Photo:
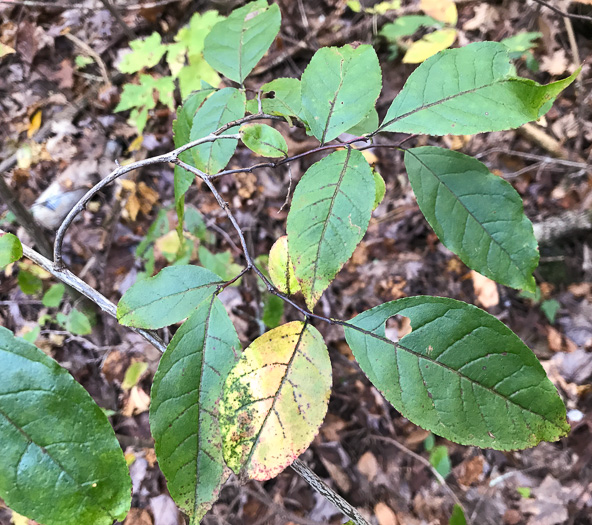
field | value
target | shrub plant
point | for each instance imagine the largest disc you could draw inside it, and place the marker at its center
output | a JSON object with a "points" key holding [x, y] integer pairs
{"points": [[216, 408]]}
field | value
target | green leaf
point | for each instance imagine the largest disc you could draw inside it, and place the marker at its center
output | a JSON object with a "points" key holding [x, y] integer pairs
{"points": [[220, 108], [235, 45], [275, 399], [525, 492], [133, 374], [167, 298], [273, 310], [339, 87], [193, 36], [469, 90], [78, 323], [53, 297], [61, 463], [521, 43], [192, 76], [329, 216], [181, 134], [550, 309], [407, 26], [221, 264], [460, 373], [144, 53], [380, 189], [458, 516], [286, 100], [368, 124], [28, 282], [264, 140], [281, 269], [184, 408], [11, 249], [475, 214], [440, 460]]}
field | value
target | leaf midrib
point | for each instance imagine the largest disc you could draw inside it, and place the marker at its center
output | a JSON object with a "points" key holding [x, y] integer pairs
{"points": [[332, 102], [457, 198], [446, 367], [81, 487], [326, 222], [443, 100]]}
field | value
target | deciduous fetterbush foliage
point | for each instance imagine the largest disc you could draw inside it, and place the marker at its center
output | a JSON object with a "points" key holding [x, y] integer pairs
{"points": [[217, 408]]}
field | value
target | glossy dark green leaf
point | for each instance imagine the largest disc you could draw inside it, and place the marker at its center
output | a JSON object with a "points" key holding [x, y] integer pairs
{"points": [[220, 108], [328, 217], [469, 90], [11, 249], [167, 298], [460, 373], [184, 409], [476, 214], [339, 88], [235, 45], [61, 463]]}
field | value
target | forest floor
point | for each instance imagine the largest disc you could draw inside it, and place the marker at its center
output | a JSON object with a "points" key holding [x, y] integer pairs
{"points": [[59, 116]]}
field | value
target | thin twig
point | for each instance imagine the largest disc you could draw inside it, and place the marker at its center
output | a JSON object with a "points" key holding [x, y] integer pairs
{"points": [[324, 490], [115, 174], [532, 156], [563, 13], [65, 5], [426, 464], [67, 277], [90, 52], [115, 13]]}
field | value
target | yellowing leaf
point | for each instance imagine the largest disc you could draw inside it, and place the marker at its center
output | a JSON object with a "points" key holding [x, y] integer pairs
{"points": [[35, 124], [281, 269], [5, 50], [429, 45], [275, 399], [442, 10]]}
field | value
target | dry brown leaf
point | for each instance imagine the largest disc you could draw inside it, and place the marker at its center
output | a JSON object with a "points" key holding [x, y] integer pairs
{"points": [[485, 290], [470, 471], [556, 64], [554, 339], [484, 18], [331, 427], [385, 515], [137, 402], [368, 465], [138, 517]]}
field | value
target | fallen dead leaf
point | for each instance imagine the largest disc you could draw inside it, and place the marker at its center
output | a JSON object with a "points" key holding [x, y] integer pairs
{"points": [[385, 515], [556, 64], [368, 465], [137, 402], [138, 517], [484, 18], [470, 471], [485, 290]]}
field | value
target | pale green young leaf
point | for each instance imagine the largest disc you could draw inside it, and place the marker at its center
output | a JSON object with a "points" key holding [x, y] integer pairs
{"points": [[380, 189], [221, 264], [53, 297], [440, 460], [286, 100], [264, 140], [475, 214], [340, 86], [167, 298], [275, 399], [367, 125], [469, 90], [144, 54], [521, 43], [28, 282], [235, 45], [328, 217], [281, 269], [407, 26], [61, 463], [11, 249], [78, 323], [133, 374], [193, 36], [184, 409], [193, 75], [220, 108], [460, 373]]}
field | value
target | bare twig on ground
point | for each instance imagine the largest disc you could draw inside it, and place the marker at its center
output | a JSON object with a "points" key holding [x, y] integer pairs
{"points": [[115, 13], [66, 5], [90, 52], [563, 13]]}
